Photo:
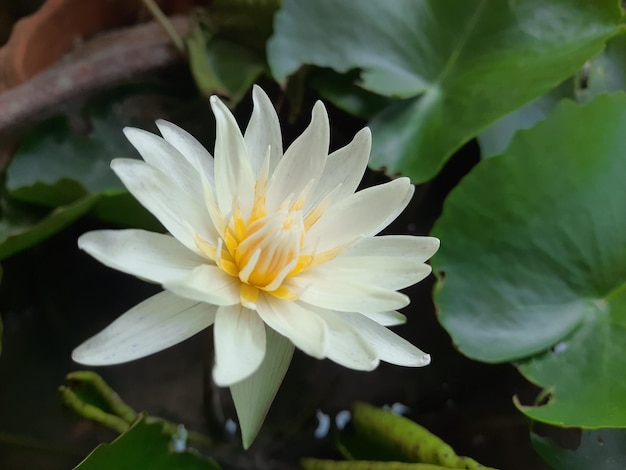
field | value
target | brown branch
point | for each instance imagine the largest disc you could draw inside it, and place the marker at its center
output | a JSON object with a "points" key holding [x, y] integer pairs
{"points": [[99, 63]]}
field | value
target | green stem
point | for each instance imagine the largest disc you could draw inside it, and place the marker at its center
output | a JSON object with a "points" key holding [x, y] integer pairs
{"points": [[123, 416], [109, 395], [160, 18], [90, 412]]}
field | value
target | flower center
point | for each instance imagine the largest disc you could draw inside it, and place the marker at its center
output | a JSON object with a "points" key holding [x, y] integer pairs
{"points": [[269, 249], [263, 250]]}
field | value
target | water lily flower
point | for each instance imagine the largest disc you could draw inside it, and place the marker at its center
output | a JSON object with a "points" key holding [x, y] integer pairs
{"points": [[274, 250]]}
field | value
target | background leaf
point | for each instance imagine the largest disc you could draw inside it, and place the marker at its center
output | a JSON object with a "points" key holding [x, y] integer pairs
{"points": [[55, 166], [22, 227], [497, 137], [60, 173], [534, 257], [607, 71], [221, 66], [603, 449], [457, 66], [144, 445]]}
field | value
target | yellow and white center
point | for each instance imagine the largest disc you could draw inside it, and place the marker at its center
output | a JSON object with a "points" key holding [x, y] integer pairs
{"points": [[266, 249]]}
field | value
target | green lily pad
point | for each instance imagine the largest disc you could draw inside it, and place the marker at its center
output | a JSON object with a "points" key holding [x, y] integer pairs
{"points": [[533, 263], [602, 449], [145, 445], [455, 66], [22, 227], [496, 138], [55, 166], [605, 73]]}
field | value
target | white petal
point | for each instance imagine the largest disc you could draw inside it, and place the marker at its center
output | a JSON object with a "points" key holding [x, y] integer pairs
{"points": [[161, 155], [239, 344], [382, 271], [344, 168], [389, 346], [361, 215], [263, 131], [302, 326], [254, 395], [148, 255], [181, 215], [303, 161], [345, 296], [189, 147], [234, 181], [386, 318], [157, 323], [346, 346], [208, 284], [421, 248]]}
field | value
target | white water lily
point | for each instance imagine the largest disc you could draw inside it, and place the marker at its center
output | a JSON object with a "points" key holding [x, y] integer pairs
{"points": [[273, 250]]}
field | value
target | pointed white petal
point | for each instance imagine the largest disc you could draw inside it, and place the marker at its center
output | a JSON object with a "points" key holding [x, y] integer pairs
{"points": [[344, 168], [160, 154], [189, 147], [345, 296], [386, 318], [157, 323], [148, 255], [303, 161], [181, 215], [207, 283], [239, 344], [363, 214], [201, 160], [234, 181], [421, 248], [253, 396], [389, 346], [302, 326], [346, 346], [382, 271], [263, 131]]}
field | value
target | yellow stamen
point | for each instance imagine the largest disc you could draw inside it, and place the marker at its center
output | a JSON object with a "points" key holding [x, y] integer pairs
{"points": [[248, 295], [266, 249]]}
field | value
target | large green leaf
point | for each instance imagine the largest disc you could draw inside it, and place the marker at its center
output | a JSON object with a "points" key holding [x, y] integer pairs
{"points": [[533, 257], [145, 445], [496, 138], [603, 449], [606, 72], [457, 65]]}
